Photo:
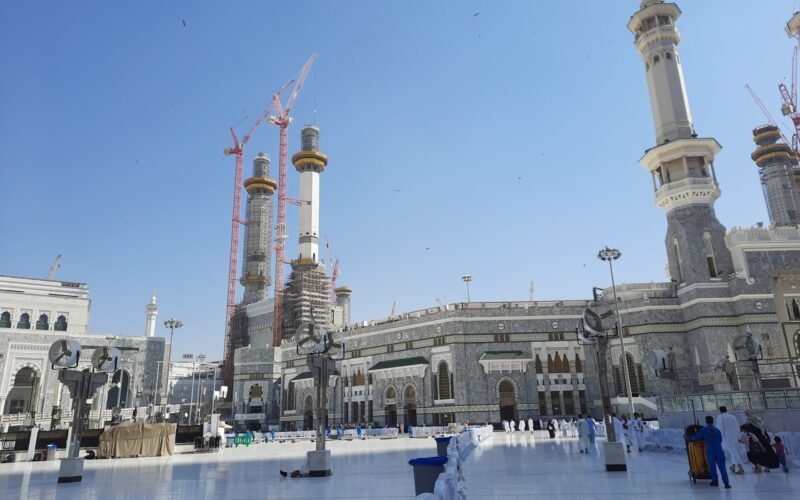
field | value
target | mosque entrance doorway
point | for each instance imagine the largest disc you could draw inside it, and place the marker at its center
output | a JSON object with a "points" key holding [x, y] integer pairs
{"points": [[391, 415], [508, 404], [411, 414], [308, 414]]}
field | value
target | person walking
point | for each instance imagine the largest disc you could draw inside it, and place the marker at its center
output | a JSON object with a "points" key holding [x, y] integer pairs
{"points": [[592, 427], [530, 425], [637, 431], [551, 428], [780, 450], [714, 454], [583, 434], [730, 429], [619, 431]]}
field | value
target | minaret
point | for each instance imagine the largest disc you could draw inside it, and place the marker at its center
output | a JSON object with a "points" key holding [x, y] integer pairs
{"points": [[310, 163], [309, 286], [152, 313], [343, 294], [258, 232], [776, 161], [681, 164]]}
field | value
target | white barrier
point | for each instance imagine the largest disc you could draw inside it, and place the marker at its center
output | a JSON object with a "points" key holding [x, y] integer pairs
{"points": [[450, 484], [295, 435], [419, 432]]}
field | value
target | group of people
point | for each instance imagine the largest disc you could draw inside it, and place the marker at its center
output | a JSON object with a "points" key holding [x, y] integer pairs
{"points": [[629, 432], [739, 443]]}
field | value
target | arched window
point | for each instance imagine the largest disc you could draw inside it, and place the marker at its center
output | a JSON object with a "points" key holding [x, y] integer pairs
{"points": [[358, 378], [551, 367], [391, 393], [23, 394], [537, 363], [445, 386], [24, 321], [290, 397], [410, 393], [5, 320], [118, 394], [564, 364], [309, 404], [635, 374], [43, 323], [61, 324], [578, 365], [506, 390]]}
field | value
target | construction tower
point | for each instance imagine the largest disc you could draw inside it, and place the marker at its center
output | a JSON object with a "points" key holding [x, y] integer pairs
{"points": [[776, 162]]}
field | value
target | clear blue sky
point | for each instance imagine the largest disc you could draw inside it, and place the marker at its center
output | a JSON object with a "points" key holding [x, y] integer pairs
{"points": [[503, 144]]}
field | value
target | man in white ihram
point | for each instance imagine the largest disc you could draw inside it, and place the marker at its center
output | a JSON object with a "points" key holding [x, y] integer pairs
{"points": [[619, 432], [729, 427]]}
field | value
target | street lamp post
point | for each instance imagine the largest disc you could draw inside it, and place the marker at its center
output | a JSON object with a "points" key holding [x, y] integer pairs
{"points": [[200, 360], [466, 279], [610, 255], [172, 324]]}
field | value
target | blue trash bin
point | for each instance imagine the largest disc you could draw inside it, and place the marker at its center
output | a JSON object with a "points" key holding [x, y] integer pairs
{"points": [[426, 472], [441, 445]]}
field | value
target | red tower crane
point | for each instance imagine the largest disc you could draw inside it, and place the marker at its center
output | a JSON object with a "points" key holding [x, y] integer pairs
{"points": [[238, 151], [282, 120], [789, 106]]}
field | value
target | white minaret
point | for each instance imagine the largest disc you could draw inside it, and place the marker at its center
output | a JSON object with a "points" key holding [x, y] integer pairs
{"points": [[152, 314], [310, 162], [681, 164]]}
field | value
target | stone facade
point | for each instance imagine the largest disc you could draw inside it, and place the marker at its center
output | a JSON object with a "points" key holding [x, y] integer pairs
{"points": [[27, 382]]}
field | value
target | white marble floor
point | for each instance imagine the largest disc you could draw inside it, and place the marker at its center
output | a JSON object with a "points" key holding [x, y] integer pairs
{"points": [[509, 467]]}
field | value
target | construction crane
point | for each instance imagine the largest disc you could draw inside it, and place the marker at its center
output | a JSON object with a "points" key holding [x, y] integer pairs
{"points": [[334, 270], [766, 112], [238, 151], [282, 119], [54, 267], [789, 107]]}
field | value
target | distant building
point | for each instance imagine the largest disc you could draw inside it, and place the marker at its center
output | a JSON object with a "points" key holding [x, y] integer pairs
{"points": [[34, 313]]}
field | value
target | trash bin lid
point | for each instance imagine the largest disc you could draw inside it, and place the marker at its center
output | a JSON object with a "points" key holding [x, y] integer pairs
{"points": [[52, 446], [429, 461], [443, 439]]}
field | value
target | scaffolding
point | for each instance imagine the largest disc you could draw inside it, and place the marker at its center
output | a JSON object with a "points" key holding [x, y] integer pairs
{"points": [[308, 290]]}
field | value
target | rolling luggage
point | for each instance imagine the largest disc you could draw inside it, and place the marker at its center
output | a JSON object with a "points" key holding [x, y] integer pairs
{"points": [[696, 452]]}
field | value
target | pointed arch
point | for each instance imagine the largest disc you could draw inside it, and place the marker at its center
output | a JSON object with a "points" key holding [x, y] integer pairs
{"points": [[61, 324], [578, 364], [550, 365], [24, 322], [537, 363], [43, 323]]}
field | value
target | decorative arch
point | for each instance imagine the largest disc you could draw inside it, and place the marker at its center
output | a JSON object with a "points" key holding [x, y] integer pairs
{"points": [[61, 324], [24, 322], [5, 320], [635, 374], [308, 403], [358, 378], [410, 393], [391, 393], [118, 393], [24, 391], [551, 367], [578, 364], [537, 363], [503, 384], [43, 323]]}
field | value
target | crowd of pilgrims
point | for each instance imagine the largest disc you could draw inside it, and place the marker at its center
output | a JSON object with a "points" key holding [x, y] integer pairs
{"points": [[629, 432]]}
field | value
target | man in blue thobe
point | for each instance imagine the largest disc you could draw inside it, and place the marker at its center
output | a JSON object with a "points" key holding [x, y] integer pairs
{"points": [[714, 453]]}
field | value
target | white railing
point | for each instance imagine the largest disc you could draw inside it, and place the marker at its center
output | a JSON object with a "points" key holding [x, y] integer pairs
{"points": [[420, 432]]}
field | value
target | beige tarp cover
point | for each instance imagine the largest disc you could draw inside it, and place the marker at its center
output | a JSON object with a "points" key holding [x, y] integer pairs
{"points": [[137, 440]]}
